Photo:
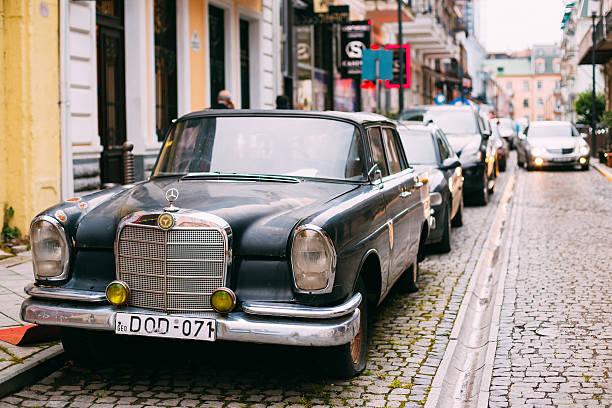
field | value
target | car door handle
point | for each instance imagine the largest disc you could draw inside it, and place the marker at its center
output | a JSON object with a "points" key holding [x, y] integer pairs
{"points": [[405, 194]]}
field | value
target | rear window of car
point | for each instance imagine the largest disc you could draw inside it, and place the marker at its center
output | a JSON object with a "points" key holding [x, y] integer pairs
{"points": [[418, 146], [453, 122]]}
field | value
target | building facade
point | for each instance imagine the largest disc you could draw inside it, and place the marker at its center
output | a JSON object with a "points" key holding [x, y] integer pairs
{"points": [[30, 154], [532, 81], [131, 67]]}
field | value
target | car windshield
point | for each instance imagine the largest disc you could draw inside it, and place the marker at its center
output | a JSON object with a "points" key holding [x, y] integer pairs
{"points": [[419, 146], [287, 146], [560, 130], [453, 122]]}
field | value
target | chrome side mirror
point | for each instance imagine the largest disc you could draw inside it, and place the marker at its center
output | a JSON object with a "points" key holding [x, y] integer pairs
{"points": [[375, 174]]}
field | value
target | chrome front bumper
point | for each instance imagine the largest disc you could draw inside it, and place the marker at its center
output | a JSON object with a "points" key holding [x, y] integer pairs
{"points": [[266, 323]]}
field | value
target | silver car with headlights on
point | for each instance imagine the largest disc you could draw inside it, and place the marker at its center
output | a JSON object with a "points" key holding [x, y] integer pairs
{"points": [[552, 144]]}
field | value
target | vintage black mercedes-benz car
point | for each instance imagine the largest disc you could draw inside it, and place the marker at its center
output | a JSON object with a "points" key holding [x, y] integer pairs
{"points": [[255, 226]]}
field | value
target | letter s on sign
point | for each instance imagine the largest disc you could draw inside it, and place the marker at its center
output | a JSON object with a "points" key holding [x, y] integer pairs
{"points": [[354, 49]]}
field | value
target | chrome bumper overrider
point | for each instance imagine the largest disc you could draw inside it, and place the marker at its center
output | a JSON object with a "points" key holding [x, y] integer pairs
{"points": [[235, 326]]}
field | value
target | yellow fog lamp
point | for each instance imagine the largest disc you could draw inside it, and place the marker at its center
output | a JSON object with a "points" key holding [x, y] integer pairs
{"points": [[223, 300], [117, 292], [538, 161], [582, 160]]}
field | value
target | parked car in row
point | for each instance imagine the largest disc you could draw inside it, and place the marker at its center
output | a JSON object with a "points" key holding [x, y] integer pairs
{"points": [[279, 227], [501, 145], [427, 149], [507, 130], [552, 144], [469, 137]]}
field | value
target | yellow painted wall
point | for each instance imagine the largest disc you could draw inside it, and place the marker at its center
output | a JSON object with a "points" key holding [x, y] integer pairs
{"points": [[29, 111], [196, 58], [252, 4]]}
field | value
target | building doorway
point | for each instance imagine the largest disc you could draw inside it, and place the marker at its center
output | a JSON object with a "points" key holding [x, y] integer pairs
{"points": [[216, 27], [111, 88], [245, 66]]}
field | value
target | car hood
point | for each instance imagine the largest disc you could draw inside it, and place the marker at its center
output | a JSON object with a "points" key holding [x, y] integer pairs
{"points": [[553, 142], [261, 214], [460, 142]]}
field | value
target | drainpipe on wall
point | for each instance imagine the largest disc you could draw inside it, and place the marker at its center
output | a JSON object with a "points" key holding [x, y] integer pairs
{"points": [[66, 177]]}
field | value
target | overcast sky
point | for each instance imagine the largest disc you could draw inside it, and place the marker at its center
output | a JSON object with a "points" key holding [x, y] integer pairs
{"points": [[511, 25]]}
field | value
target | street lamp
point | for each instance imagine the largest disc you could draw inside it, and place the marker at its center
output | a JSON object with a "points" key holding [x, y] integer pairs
{"points": [[593, 113], [401, 60]]}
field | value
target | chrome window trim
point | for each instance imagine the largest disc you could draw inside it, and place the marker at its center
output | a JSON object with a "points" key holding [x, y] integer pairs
{"points": [[301, 311], [217, 224], [67, 249], [330, 244]]}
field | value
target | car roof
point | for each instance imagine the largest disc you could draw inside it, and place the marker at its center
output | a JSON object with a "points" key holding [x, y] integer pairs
{"points": [[545, 123], [415, 125], [440, 107], [355, 117]]}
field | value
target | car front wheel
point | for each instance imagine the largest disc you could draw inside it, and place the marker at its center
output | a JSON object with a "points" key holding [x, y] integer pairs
{"points": [[458, 218], [483, 195], [444, 245], [348, 360]]}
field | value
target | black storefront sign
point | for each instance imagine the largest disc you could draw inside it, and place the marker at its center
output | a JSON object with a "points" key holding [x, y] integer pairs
{"points": [[336, 14], [397, 52], [354, 37]]}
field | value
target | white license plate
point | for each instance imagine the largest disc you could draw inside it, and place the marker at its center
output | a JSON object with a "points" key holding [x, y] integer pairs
{"points": [[561, 159], [188, 328]]}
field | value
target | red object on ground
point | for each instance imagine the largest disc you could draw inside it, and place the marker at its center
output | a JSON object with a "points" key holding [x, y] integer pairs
{"points": [[31, 334]]}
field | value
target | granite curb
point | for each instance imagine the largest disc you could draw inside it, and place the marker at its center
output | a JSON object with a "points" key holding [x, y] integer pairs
{"points": [[603, 169], [37, 366], [20, 365]]}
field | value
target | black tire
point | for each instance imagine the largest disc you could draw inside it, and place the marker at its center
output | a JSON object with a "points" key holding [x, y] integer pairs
{"points": [[407, 283], [458, 218], [79, 345], [348, 360], [444, 246], [482, 197]]}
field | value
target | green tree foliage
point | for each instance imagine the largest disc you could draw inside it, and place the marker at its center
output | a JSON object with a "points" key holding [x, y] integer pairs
{"points": [[584, 105]]}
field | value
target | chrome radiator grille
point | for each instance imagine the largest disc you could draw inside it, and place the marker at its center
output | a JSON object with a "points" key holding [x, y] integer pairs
{"points": [[565, 150], [174, 271]]}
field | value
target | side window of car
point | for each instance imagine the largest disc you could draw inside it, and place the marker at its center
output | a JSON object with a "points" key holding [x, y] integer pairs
{"points": [[446, 143], [378, 152], [392, 151], [575, 132]]}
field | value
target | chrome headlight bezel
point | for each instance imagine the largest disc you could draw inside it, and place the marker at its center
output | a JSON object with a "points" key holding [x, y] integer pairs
{"points": [[584, 149], [537, 151], [65, 248], [331, 253]]}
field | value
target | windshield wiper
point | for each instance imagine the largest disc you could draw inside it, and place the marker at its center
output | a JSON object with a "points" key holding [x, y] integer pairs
{"points": [[239, 177]]}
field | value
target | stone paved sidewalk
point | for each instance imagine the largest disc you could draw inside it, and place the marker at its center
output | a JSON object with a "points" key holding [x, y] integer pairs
{"points": [[15, 273]]}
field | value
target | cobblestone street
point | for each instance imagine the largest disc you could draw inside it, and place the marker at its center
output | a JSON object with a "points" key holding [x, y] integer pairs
{"points": [[553, 347], [555, 340]]}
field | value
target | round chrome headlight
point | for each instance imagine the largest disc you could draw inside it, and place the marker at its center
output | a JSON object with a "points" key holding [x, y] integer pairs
{"points": [[584, 149], [50, 249], [313, 259], [537, 151]]}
